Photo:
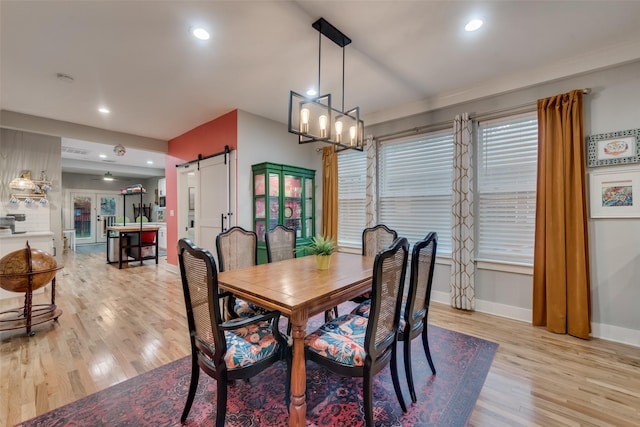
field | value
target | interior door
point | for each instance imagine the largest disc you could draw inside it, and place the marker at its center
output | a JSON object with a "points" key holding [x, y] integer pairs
{"points": [[212, 201], [83, 220], [91, 213], [204, 200], [107, 213]]}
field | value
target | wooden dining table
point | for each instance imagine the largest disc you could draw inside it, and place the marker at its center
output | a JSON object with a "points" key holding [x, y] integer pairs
{"points": [[299, 290]]}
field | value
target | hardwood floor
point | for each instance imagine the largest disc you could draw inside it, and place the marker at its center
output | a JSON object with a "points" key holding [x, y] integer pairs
{"points": [[120, 323]]}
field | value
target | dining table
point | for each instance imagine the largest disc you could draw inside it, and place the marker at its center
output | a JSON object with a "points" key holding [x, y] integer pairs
{"points": [[299, 290]]}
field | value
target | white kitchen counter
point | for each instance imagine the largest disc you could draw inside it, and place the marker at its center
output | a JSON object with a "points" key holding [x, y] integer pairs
{"points": [[23, 236]]}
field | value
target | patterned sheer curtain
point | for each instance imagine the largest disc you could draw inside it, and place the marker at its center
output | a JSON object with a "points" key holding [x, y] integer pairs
{"points": [[561, 288], [372, 173], [462, 221]]}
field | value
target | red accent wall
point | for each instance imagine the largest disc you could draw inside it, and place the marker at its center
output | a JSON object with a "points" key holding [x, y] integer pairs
{"points": [[206, 139]]}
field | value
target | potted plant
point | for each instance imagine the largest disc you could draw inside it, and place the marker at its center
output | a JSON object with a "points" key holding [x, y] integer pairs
{"points": [[322, 247]]}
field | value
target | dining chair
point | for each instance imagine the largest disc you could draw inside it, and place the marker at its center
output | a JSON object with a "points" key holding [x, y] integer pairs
{"points": [[281, 243], [416, 306], [224, 350], [374, 239], [238, 248], [357, 346]]}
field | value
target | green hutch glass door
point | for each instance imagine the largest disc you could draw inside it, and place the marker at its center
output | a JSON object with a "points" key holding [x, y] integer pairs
{"points": [[283, 195]]}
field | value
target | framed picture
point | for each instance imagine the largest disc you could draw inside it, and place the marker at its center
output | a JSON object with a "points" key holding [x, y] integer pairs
{"points": [[614, 148], [615, 194], [192, 198]]}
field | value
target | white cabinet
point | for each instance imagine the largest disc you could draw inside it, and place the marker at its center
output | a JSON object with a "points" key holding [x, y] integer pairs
{"points": [[162, 187], [162, 237]]}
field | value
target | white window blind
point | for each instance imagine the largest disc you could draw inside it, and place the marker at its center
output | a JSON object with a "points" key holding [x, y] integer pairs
{"points": [[507, 168], [352, 171], [414, 186]]}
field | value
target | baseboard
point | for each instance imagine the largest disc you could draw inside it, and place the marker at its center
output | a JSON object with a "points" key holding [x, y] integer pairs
{"points": [[616, 333], [172, 268], [598, 330]]}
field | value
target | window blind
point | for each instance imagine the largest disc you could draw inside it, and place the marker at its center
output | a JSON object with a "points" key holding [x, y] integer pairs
{"points": [[414, 186], [352, 171], [507, 170]]}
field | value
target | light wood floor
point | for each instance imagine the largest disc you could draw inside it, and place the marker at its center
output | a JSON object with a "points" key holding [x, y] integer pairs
{"points": [[120, 323]]}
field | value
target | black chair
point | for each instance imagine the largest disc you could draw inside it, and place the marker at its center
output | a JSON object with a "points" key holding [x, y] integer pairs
{"points": [[377, 238], [374, 239], [416, 307], [281, 243], [228, 350], [365, 345], [238, 248]]}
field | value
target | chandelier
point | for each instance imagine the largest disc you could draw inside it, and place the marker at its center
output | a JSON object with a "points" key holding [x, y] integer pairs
{"points": [[313, 119]]}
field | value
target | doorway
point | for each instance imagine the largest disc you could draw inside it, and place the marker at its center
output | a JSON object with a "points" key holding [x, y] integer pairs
{"points": [[90, 213], [205, 194]]}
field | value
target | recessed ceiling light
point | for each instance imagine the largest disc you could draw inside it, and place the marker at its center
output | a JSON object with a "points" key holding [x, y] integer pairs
{"points": [[200, 33], [104, 110], [312, 92], [103, 156], [149, 162], [473, 25]]}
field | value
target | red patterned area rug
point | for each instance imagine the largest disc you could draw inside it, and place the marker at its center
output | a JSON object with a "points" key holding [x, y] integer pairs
{"points": [[157, 398]]}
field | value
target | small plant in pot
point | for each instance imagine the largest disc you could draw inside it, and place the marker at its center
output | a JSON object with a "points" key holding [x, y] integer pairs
{"points": [[322, 247]]}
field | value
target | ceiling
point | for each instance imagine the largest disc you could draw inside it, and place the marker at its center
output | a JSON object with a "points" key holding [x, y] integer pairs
{"points": [[139, 59]]}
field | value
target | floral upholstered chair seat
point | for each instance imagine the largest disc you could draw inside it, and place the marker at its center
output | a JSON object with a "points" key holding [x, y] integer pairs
{"points": [[249, 344], [341, 339], [246, 309], [364, 308]]}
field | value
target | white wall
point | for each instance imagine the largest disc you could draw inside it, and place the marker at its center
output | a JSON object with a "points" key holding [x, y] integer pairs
{"points": [[263, 140], [614, 248], [33, 152]]}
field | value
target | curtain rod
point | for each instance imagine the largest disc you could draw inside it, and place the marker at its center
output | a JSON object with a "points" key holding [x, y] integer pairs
{"points": [[517, 109], [443, 125], [416, 130]]}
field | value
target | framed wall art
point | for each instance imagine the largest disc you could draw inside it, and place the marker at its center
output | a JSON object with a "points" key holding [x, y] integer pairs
{"points": [[615, 194], [614, 148]]}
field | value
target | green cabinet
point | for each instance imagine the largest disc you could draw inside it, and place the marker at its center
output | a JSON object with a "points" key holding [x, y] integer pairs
{"points": [[283, 195]]}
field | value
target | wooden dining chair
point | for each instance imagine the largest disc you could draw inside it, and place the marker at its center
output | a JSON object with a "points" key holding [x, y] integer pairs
{"points": [[374, 239], [281, 243], [416, 308], [357, 346], [224, 350], [238, 248]]}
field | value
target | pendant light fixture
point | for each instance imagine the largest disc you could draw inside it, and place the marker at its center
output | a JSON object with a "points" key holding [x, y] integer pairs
{"points": [[313, 119]]}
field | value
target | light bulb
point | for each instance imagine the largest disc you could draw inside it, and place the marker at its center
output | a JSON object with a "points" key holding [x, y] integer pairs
{"points": [[322, 120], [352, 133], [304, 120], [338, 131]]}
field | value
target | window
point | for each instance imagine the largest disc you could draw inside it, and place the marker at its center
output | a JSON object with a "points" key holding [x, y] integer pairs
{"points": [[352, 176], [507, 168], [414, 186]]}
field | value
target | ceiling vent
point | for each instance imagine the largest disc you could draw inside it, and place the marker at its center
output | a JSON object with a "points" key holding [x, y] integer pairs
{"points": [[73, 150]]}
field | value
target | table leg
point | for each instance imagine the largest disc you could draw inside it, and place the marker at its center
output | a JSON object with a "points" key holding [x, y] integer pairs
{"points": [[298, 406]]}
